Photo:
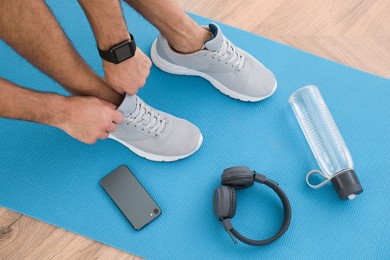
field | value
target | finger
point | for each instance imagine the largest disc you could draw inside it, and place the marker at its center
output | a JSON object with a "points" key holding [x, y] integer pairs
{"points": [[111, 128], [111, 105], [149, 63], [104, 135], [90, 141], [132, 91], [117, 117], [147, 73]]}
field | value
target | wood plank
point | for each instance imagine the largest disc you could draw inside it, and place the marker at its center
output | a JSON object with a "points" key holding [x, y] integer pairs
{"points": [[243, 14], [356, 52], [7, 219], [33, 239], [352, 32], [362, 18]]}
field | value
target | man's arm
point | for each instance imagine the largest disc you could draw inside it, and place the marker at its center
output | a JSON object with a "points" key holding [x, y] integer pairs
{"points": [[84, 118], [20, 103], [109, 27], [30, 28]]}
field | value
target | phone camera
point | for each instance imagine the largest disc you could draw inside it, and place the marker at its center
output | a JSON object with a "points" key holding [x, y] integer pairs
{"points": [[155, 211]]}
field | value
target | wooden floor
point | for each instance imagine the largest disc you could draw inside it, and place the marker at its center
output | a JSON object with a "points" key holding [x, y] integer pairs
{"points": [[353, 32]]}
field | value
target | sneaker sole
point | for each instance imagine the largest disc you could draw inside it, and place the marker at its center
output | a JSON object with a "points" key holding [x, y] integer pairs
{"points": [[179, 70], [157, 158]]}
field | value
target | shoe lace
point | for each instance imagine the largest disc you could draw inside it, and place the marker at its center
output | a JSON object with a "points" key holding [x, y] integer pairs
{"points": [[147, 118], [230, 55]]}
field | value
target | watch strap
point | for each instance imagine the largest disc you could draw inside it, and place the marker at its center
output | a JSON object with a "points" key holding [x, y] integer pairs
{"points": [[110, 55]]}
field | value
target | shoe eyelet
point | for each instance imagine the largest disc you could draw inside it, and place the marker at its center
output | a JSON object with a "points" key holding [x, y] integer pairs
{"points": [[212, 57], [225, 62], [127, 123]]}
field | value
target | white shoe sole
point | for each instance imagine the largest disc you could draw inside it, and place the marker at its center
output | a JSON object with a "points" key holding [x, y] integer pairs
{"points": [[157, 158], [179, 70]]}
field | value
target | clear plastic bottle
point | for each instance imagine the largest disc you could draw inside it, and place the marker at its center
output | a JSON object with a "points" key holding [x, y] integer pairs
{"points": [[326, 142]]}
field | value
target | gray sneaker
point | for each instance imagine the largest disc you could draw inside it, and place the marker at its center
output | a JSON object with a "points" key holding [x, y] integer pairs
{"points": [[231, 70], [155, 135]]}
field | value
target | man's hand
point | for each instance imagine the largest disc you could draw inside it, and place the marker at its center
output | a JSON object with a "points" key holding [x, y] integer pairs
{"points": [[88, 118], [129, 75]]}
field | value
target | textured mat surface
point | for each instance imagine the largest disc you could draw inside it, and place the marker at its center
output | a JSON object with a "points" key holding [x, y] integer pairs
{"points": [[48, 175]]}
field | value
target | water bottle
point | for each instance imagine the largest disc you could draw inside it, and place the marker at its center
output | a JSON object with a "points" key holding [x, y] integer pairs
{"points": [[326, 143]]}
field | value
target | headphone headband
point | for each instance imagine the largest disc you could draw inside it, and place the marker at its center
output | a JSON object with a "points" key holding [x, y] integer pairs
{"points": [[262, 179]]}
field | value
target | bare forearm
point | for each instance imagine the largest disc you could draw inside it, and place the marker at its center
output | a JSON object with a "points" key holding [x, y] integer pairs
{"points": [[30, 28], [31, 22], [107, 21], [109, 27], [85, 118], [19, 103]]}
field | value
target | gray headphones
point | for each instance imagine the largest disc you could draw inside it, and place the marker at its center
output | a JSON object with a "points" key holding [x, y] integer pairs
{"points": [[242, 177]]}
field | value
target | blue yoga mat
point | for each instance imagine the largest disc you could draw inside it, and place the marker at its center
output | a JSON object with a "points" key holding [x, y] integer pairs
{"points": [[50, 176]]}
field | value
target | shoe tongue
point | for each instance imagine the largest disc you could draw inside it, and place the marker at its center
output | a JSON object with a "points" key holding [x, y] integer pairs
{"points": [[215, 43]]}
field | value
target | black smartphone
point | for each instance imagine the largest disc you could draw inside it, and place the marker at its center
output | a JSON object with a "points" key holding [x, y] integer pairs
{"points": [[131, 197]]}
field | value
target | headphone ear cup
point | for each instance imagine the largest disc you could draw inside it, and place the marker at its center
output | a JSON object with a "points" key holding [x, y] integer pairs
{"points": [[232, 208], [237, 177], [224, 202]]}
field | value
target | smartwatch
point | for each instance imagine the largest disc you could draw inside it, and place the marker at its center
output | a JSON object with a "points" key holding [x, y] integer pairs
{"points": [[119, 52]]}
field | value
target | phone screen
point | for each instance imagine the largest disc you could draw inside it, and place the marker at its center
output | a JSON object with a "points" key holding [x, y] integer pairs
{"points": [[131, 198]]}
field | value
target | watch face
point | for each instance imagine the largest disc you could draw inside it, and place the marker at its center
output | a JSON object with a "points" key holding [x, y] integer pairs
{"points": [[123, 52]]}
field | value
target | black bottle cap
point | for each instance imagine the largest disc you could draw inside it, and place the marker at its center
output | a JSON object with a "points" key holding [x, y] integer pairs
{"points": [[347, 184]]}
